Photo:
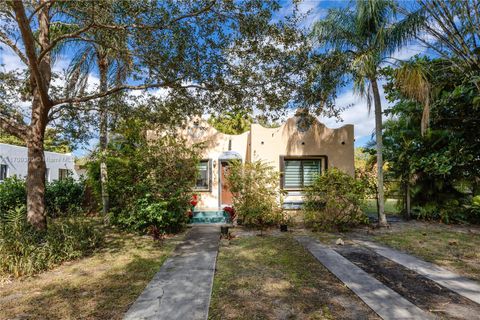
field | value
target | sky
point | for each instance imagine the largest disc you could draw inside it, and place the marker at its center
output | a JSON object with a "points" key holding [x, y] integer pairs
{"points": [[312, 10]]}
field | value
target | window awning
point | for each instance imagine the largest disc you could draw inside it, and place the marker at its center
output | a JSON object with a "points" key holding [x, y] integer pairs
{"points": [[230, 155]]}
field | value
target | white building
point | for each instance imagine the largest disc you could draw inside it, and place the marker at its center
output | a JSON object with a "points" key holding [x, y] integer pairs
{"points": [[14, 162]]}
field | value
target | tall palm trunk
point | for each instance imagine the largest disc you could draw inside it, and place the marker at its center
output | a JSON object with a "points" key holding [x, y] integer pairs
{"points": [[103, 68], [382, 219]]}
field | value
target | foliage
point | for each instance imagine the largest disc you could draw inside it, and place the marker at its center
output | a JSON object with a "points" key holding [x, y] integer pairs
{"points": [[256, 196], [441, 166], [64, 197], [26, 251], [231, 122], [334, 201], [13, 194], [150, 182], [53, 141], [151, 213]]}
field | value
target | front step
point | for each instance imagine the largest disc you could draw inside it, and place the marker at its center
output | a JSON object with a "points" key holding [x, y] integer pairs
{"points": [[215, 216]]}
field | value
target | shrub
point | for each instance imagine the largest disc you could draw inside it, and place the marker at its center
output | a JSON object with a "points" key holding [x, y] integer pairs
{"points": [[150, 184], [64, 197], [149, 213], [26, 251], [13, 193], [257, 197], [333, 201]]}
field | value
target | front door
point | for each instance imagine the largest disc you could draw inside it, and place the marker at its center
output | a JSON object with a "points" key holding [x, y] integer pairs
{"points": [[226, 197]]}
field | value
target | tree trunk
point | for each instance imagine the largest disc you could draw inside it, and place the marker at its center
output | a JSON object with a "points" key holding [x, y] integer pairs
{"points": [[103, 68], [382, 219], [36, 214], [408, 200]]}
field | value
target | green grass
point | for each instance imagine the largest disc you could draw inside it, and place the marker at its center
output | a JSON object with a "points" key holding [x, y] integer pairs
{"points": [[458, 250], [370, 207], [101, 286], [273, 277]]}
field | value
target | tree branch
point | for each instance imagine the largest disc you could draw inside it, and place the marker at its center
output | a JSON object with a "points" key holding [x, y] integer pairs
{"points": [[6, 40], [55, 41], [29, 43], [12, 126], [126, 87]]}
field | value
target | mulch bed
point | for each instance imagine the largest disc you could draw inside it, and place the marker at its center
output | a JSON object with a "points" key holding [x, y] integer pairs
{"points": [[423, 292]]}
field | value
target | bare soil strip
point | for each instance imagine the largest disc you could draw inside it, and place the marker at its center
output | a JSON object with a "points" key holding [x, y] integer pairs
{"points": [[387, 303], [419, 290]]}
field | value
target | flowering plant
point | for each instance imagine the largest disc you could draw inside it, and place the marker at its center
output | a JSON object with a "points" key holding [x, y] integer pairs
{"points": [[231, 212], [194, 201]]}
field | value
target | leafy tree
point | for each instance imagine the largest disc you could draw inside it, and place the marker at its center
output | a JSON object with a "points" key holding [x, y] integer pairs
{"points": [[439, 168], [231, 122], [209, 54], [53, 142], [365, 35]]}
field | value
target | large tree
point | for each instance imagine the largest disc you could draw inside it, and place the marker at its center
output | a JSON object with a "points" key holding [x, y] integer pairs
{"points": [[221, 53], [365, 35]]}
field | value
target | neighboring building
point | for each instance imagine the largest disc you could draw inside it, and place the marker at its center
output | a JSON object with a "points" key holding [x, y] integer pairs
{"points": [[14, 162], [300, 148]]}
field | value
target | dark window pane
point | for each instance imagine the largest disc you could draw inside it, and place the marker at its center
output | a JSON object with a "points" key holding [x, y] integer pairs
{"points": [[203, 175]]}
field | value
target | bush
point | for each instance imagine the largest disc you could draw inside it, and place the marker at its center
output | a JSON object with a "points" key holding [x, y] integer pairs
{"points": [[148, 213], [257, 197], [26, 251], [64, 197], [13, 194], [150, 184], [333, 201]]}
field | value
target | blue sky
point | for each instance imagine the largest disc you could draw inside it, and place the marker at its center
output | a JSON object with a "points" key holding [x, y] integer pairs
{"points": [[313, 10]]}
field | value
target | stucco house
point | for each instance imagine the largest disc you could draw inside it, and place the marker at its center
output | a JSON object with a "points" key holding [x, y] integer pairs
{"points": [[299, 149], [14, 162]]}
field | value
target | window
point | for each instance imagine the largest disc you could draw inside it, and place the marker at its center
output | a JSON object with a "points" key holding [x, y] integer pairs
{"points": [[63, 174], [203, 180], [47, 175], [3, 172], [299, 173]]}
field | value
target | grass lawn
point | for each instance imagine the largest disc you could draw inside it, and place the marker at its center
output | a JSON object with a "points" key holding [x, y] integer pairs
{"points": [[456, 248], [370, 207], [101, 286], [273, 277]]}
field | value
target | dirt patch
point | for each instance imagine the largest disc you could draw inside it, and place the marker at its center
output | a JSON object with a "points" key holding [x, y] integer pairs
{"points": [[423, 292]]}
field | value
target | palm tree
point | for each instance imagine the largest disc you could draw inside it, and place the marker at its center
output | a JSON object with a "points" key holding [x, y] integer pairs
{"points": [[108, 53], [366, 35]]}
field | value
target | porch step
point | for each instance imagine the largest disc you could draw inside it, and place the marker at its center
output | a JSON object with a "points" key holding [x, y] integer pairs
{"points": [[216, 216]]}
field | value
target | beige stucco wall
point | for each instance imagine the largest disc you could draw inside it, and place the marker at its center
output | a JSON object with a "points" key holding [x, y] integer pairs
{"points": [[268, 144], [318, 140], [216, 143]]}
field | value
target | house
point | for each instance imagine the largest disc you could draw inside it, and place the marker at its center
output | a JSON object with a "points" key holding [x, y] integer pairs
{"points": [[14, 162], [299, 149]]}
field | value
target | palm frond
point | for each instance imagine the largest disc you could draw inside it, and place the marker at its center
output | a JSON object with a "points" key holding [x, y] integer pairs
{"points": [[412, 80], [337, 30]]}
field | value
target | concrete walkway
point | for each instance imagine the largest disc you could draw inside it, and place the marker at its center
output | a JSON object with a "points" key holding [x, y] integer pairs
{"points": [[182, 287], [463, 286], [384, 301]]}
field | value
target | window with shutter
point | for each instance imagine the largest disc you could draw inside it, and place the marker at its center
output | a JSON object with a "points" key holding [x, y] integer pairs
{"points": [[299, 173], [203, 180]]}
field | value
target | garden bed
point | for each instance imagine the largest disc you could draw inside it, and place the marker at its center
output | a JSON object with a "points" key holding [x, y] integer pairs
{"points": [[273, 277], [98, 287], [423, 292]]}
